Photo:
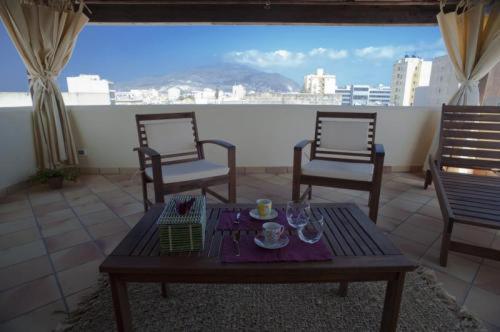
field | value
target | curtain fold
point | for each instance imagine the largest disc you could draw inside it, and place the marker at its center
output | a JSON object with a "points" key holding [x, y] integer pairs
{"points": [[472, 39], [44, 34]]}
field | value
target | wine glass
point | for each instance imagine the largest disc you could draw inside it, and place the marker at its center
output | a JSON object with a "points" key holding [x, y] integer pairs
{"points": [[312, 231], [297, 213]]}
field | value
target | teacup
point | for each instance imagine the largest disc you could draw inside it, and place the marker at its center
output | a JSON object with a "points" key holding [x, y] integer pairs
{"points": [[264, 207], [272, 231]]}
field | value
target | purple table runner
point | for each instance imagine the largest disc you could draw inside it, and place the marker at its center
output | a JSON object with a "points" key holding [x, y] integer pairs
{"points": [[227, 218], [295, 251]]}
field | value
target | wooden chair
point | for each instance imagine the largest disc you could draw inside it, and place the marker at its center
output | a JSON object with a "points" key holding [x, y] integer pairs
{"points": [[469, 138], [343, 155], [172, 158]]}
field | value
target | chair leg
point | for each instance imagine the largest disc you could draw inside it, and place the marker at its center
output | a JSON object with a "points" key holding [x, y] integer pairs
{"points": [[428, 179], [231, 187], [445, 244], [145, 195], [373, 203], [295, 190], [309, 194]]}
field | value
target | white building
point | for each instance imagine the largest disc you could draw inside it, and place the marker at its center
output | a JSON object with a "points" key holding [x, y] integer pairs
{"points": [[443, 84], [365, 95], [380, 96], [173, 94], [320, 83], [408, 74], [239, 92], [82, 87]]}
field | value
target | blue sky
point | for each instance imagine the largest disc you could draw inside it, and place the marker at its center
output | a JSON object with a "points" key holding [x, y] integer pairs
{"points": [[359, 55]]}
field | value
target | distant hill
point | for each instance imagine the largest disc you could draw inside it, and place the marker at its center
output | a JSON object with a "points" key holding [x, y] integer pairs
{"points": [[220, 76]]}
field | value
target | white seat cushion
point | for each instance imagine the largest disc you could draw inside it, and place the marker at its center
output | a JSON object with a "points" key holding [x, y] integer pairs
{"points": [[191, 170], [339, 170]]}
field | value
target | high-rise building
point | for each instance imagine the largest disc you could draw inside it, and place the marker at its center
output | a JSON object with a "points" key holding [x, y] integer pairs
{"points": [[365, 95], [442, 85], [408, 74], [93, 86], [380, 96], [320, 83]]}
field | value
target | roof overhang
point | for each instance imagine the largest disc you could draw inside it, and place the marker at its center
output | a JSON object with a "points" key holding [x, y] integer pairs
{"points": [[328, 12]]}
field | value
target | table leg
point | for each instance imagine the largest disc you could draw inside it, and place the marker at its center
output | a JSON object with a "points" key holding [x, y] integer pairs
{"points": [[121, 305], [343, 288], [392, 303], [164, 290]]}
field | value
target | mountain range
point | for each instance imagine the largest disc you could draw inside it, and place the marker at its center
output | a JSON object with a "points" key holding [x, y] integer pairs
{"points": [[218, 76]]}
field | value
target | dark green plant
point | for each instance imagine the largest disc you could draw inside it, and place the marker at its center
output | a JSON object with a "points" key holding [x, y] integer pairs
{"points": [[67, 173]]}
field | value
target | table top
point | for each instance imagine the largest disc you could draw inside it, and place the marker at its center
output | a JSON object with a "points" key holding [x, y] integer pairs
{"points": [[358, 247]]}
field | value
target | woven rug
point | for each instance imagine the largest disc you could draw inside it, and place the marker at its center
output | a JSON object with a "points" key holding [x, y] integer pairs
{"points": [[298, 307]]}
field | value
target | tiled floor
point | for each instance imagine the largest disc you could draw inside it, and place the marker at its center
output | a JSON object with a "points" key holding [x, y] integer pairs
{"points": [[52, 242]]}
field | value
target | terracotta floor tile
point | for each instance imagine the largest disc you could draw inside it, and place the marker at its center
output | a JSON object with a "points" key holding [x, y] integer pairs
{"points": [[84, 200], [15, 215], [108, 243], [75, 193], [21, 253], [387, 224], [80, 277], [417, 234], [44, 319], [97, 217], [132, 219], [89, 207], [485, 305], [128, 209], [66, 240], [488, 279], [426, 222], [412, 249], [458, 266], [431, 211], [44, 198], [18, 225], [74, 256], [43, 210], [74, 299], [59, 227], [453, 286], [19, 238], [56, 216], [28, 296], [14, 197], [17, 274], [404, 205], [414, 197], [474, 235], [108, 228], [14, 206], [394, 212]]}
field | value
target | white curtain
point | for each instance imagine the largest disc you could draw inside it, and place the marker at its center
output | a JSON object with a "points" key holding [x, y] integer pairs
{"points": [[472, 39], [44, 33]]}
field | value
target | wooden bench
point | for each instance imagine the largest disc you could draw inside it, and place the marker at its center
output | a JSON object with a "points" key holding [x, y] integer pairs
{"points": [[469, 138]]}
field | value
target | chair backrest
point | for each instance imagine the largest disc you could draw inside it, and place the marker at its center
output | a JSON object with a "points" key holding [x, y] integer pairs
{"points": [[173, 135], [470, 137], [344, 136]]}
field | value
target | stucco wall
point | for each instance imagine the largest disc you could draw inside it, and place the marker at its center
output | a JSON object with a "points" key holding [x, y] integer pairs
{"points": [[17, 155], [264, 135]]}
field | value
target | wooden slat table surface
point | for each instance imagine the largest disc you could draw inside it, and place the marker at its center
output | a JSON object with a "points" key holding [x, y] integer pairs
{"points": [[361, 252]]}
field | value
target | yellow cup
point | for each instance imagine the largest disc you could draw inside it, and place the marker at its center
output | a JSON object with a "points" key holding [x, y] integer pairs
{"points": [[264, 207]]}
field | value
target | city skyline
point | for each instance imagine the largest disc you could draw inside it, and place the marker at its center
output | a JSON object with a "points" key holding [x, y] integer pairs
{"points": [[356, 55]]}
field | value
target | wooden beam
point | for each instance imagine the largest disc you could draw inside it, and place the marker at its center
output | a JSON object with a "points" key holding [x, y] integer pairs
{"points": [[347, 13]]}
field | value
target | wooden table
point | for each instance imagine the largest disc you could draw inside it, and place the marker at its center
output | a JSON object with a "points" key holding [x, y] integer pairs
{"points": [[361, 253]]}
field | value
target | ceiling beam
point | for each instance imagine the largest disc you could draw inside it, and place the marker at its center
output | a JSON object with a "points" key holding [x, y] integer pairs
{"points": [[331, 12]]}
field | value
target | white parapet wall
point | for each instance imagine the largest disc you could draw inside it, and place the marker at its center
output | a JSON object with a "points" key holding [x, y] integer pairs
{"points": [[264, 135], [17, 154]]}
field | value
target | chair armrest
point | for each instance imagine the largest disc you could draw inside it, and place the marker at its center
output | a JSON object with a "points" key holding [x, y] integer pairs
{"points": [[218, 142], [302, 144], [440, 191], [378, 150], [147, 151]]}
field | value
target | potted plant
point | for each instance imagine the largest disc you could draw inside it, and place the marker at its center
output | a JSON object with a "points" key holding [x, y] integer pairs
{"points": [[55, 177]]}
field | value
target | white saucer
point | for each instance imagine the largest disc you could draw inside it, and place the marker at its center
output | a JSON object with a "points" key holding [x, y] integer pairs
{"points": [[254, 213], [261, 242]]}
